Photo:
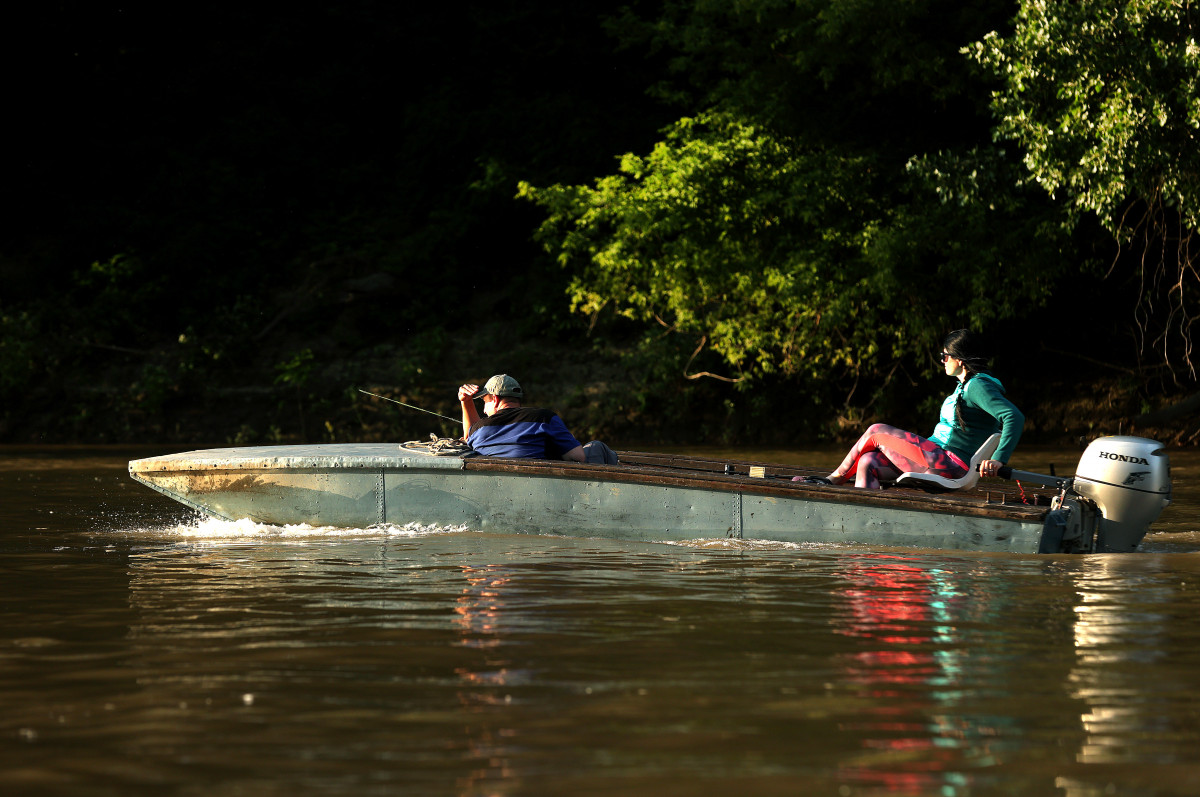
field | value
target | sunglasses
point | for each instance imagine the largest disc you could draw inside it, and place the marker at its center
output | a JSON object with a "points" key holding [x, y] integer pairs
{"points": [[945, 356]]}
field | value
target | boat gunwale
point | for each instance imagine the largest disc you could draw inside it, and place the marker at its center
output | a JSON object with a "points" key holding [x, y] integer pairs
{"points": [[972, 502]]}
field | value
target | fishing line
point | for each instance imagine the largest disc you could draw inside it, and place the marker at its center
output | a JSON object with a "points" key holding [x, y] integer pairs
{"points": [[411, 407]]}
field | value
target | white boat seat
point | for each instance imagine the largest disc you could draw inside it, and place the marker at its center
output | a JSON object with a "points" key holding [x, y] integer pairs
{"points": [[937, 484]]}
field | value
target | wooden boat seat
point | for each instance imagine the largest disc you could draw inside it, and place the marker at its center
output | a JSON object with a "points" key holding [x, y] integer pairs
{"points": [[938, 484]]}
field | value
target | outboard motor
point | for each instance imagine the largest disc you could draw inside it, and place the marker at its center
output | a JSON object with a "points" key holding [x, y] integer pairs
{"points": [[1129, 479]]}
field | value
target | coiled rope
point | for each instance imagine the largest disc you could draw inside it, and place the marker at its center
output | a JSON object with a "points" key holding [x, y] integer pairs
{"points": [[439, 446]]}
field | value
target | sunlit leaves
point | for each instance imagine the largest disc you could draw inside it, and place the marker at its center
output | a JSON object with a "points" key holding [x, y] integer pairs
{"points": [[782, 258], [1104, 98], [723, 231]]}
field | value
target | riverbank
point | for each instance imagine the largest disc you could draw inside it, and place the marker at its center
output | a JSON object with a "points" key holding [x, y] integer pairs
{"points": [[600, 396]]}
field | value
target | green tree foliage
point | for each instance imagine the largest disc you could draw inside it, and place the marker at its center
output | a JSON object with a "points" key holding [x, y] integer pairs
{"points": [[1104, 99], [725, 233], [806, 222]]}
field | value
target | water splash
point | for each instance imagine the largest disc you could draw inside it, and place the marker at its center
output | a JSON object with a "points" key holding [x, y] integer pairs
{"points": [[202, 528]]}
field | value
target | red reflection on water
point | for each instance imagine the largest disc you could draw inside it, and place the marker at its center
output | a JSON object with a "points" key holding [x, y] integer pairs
{"points": [[890, 608], [889, 602]]}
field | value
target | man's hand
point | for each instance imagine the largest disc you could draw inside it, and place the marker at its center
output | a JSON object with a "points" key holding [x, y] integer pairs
{"points": [[470, 415]]}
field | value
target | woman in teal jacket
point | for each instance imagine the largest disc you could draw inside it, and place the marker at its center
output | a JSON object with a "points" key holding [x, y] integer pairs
{"points": [[975, 411]]}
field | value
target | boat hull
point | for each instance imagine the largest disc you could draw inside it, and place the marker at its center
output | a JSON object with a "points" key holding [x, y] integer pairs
{"points": [[359, 486]]}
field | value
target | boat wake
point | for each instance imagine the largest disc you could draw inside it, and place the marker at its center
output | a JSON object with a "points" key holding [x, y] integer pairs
{"points": [[1171, 541], [209, 528], [204, 528]]}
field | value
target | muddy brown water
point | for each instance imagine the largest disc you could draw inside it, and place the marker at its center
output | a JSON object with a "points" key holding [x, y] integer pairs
{"points": [[145, 651]]}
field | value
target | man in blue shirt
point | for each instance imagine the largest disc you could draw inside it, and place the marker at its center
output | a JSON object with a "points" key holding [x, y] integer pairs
{"points": [[511, 430]]}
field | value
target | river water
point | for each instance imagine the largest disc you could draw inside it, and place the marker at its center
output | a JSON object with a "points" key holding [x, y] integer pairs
{"points": [[145, 651]]}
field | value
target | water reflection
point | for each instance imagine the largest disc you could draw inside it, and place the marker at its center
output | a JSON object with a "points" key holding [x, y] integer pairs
{"points": [[888, 602], [953, 667], [479, 611], [1123, 631], [909, 672], [480, 605]]}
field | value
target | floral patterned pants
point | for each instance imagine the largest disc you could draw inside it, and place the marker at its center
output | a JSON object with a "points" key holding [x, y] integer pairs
{"points": [[884, 452]]}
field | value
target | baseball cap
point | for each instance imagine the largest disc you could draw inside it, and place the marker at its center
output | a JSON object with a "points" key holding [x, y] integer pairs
{"points": [[502, 385]]}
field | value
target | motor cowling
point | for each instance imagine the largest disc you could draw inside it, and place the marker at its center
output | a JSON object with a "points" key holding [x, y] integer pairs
{"points": [[1129, 480]]}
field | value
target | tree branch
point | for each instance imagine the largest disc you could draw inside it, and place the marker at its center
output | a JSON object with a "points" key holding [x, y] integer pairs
{"points": [[704, 340]]}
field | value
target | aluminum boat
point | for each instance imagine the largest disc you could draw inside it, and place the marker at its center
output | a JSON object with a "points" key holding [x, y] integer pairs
{"points": [[1120, 487]]}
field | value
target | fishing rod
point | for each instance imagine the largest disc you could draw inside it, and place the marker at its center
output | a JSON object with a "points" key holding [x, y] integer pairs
{"points": [[411, 407]]}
